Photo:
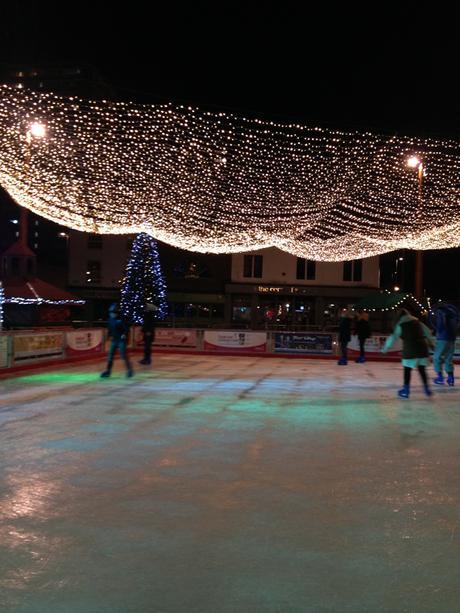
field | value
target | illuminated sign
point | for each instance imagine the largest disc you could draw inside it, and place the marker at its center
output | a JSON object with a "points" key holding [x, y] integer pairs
{"points": [[283, 289]]}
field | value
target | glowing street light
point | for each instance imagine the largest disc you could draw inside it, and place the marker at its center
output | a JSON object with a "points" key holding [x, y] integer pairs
{"points": [[415, 162], [36, 130]]}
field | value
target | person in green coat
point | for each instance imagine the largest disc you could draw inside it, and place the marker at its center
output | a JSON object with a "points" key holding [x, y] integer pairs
{"points": [[416, 341]]}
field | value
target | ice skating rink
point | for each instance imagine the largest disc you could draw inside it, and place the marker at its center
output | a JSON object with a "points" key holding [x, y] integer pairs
{"points": [[228, 484]]}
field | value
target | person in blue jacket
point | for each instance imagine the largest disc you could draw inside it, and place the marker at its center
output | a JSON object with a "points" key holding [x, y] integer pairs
{"points": [[445, 319], [119, 332]]}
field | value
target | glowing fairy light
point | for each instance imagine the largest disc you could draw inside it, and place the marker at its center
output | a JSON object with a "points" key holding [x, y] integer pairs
{"points": [[215, 182]]}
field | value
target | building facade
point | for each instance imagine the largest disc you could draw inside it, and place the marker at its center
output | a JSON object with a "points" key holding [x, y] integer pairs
{"points": [[273, 289], [259, 290]]}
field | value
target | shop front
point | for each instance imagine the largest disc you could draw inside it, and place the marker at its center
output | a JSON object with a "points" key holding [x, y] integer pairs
{"points": [[287, 307], [195, 309]]}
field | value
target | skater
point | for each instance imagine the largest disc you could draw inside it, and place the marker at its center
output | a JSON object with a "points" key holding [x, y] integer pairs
{"points": [[148, 330], [363, 332], [445, 320], [344, 336], [416, 340], [118, 331]]}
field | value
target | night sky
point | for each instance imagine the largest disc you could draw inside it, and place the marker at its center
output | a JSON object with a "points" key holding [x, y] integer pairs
{"points": [[388, 67]]}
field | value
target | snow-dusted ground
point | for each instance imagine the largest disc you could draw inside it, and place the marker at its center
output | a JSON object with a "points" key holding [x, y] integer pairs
{"points": [[228, 484]]}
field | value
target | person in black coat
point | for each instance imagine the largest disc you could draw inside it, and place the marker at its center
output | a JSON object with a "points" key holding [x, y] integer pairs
{"points": [[148, 330], [363, 331], [119, 333], [344, 336]]}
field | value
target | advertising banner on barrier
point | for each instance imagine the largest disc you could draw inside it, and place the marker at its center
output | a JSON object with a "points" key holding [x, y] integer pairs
{"points": [[304, 342], [225, 340], [4, 351], [84, 342], [373, 346], [457, 347], [35, 345], [168, 337]]}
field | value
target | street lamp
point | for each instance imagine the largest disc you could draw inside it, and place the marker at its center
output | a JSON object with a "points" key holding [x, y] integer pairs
{"points": [[415, 162], [398, 265], [36, 131]]}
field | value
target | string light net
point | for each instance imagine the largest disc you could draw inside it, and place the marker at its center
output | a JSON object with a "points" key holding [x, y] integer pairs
{"points": [[216, 182], [143, 282]]}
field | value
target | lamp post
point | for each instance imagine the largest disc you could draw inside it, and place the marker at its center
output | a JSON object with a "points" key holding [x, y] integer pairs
{"points": [[416, 162], [36, 132], [399, 278]]}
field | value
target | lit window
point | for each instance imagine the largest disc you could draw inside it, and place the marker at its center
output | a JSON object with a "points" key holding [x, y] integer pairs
{"points": [[93, 272]]}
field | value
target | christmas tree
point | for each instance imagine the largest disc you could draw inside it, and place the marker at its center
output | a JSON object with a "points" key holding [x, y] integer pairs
{"points": [[143, 283]]}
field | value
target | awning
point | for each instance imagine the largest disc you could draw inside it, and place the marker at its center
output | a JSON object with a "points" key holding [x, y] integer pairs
{"points": [[384, 301]]}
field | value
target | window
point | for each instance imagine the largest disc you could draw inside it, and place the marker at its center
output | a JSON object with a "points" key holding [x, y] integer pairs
{"points": [[347, 271], [95, 241], [357, 270], [306, 269], [93, 272], [253, 265], [353, 271], [241, 309]]}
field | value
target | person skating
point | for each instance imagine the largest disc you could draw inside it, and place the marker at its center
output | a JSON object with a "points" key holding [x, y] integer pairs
{"points": [[416, 340], [344, 336], [118, 332], [445, 320], [363, 331], [148, 330]]}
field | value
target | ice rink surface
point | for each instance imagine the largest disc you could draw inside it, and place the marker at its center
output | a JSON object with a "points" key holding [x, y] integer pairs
{"points": [[228, 484]]}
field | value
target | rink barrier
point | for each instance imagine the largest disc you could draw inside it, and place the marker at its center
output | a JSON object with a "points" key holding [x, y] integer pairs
{"points": [[26, 348]]}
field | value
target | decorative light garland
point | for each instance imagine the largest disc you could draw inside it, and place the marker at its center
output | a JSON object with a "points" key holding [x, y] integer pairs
{"points": [[215, 182], [38, 301], [2, 302], [405, 297]]}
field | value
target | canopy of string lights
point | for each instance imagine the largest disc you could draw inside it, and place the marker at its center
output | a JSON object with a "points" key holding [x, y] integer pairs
{"points": [[215, 182]]}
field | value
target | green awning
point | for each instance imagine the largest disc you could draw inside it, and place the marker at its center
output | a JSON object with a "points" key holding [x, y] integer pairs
{"points": [[382, 300]]}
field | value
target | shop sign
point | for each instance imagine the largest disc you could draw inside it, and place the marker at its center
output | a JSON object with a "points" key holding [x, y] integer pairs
{"points": [[82, 342], [280, 289], [298, 342], [226, 340], [38, 345]]}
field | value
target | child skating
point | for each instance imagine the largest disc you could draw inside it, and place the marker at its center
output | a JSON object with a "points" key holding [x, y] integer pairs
{"points": [[416, 340]]}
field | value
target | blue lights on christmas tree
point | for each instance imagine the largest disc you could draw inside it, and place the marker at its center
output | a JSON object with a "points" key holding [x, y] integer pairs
{"points": [[143, 283]]}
